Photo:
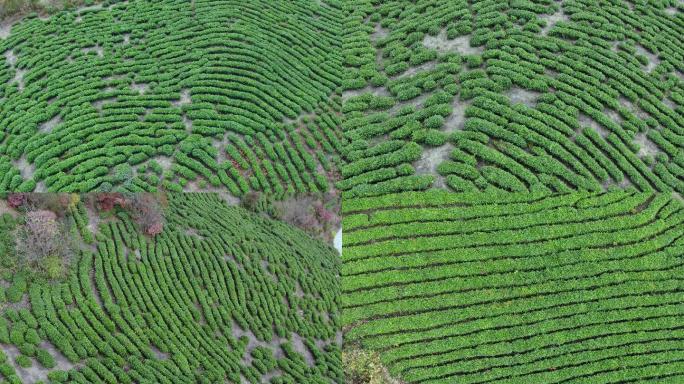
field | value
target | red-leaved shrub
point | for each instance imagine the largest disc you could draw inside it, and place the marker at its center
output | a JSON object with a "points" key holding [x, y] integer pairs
{"points": [[16, 200], [146, 211], [314, 214], [106, 201]]}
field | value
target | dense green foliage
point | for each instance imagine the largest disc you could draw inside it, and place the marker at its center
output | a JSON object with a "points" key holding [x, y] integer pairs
{"points": [[517, 287], [602, 84], [182, 95], [7, 241], [220, 295]]}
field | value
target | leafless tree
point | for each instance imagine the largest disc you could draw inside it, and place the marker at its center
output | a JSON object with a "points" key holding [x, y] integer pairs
{"points": [[43, 235]]}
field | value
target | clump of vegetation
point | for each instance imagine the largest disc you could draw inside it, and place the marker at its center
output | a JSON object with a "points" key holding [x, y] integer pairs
{"points": [[58, 203], [146, 211], [39, 240], [16, 200], [44, 243], [259, 203], [23, 361], [15, 292], [106, 201], [364, 367], [316, 214], [7, 251]]}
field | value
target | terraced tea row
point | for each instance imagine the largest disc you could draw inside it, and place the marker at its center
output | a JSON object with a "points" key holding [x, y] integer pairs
{"points": [[176, 95], [219, 295], [512, 288], [515, 96]]}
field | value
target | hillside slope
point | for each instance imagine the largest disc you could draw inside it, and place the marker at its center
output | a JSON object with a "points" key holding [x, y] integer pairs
{"points": [[177, 95], [534, 95], [220, 294]]}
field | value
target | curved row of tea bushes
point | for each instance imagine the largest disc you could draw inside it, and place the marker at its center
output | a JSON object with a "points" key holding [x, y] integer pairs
{"points": [[578, 95], [182, 96], [220, 295]]}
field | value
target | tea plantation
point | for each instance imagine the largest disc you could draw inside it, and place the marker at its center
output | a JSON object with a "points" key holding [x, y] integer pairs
{"points": [[220, 295], [528, 95], [517, 288], [177, 95]]}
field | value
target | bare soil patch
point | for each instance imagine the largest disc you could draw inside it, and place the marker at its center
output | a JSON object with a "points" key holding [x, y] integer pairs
{"points": [[653, 60], [6, 25], [302, 349], [379, 33], [635, 109], [376, 91], [18, 73], [184, 98], [49, 125], [140, 87], [253, 342], [524, 96], [430, 159], [551, 20], [442, 44], [417, 69], [646, 146], [672, 11], [164, 161], [96, 48], [188, 124], [25, 168], [159, 354], [100, 103], [4, 208], [456, 120], [585, 120]]}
